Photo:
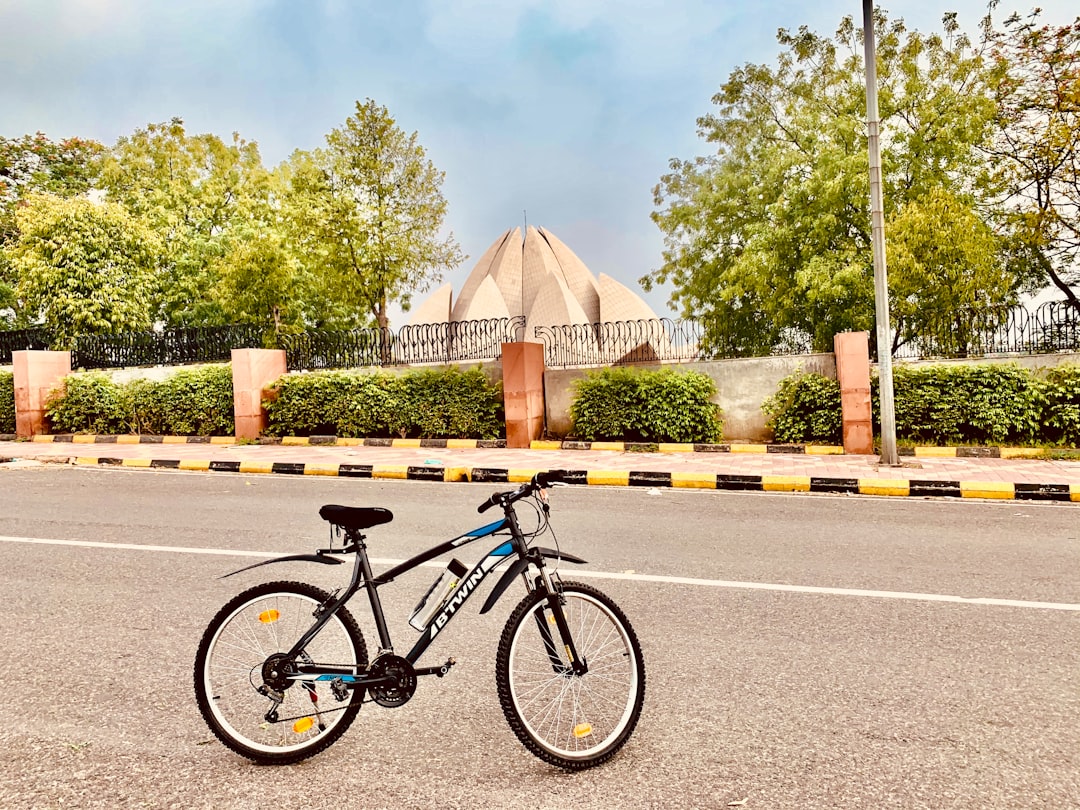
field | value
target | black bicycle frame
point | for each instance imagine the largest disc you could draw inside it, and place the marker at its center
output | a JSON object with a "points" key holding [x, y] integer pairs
{"points": [[362, 577]]}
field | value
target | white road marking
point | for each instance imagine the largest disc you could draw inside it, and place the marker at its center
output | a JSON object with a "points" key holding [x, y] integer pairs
{"points": [[664, 580]]}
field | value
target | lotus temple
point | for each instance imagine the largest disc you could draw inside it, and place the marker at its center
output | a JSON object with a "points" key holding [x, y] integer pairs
{"points": [[538, 278]]}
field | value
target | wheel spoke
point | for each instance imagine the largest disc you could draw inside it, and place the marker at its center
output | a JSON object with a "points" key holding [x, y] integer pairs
{"points": [[567, 719]]}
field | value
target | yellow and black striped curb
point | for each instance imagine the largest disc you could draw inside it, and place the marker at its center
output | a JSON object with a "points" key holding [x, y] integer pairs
{"points": [[285, 441], [995, 490], [619, 447]]}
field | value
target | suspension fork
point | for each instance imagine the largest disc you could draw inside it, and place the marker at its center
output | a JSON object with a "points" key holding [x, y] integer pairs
{"points": [[555, 604]]}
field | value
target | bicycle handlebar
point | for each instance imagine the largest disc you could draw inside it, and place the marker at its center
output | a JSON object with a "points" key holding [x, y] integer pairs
{"points": [[541, 480]]}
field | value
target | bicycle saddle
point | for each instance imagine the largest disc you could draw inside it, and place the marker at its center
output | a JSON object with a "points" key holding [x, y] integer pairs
{"points": [[355, 517]]}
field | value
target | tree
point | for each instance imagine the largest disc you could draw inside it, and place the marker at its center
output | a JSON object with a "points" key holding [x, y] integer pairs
{"points": [[371, 205], [1037, 91], [260, 277], [33, 164], [190, 190], [83, 267], [946, 279], [768, 240]]}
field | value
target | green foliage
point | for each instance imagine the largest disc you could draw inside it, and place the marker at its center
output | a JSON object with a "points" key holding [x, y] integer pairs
{"points": [[962, 404], [83, 268], [805, 408], [450, 404], [946, 271], [943, 405], [768, 239], [192, 191], [372, 206], [657, 406], [1061, 412], [7, 402], [1037, 145], [444, 403], [87, 403], [190, 402]]}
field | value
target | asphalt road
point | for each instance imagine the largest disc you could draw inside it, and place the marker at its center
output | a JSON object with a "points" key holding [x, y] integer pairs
{"points": [[861, 678]]}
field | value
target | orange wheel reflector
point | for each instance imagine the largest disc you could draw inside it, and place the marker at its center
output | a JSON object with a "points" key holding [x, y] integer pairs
{"points": [[269, 616], [583, 730], [302, 725]]}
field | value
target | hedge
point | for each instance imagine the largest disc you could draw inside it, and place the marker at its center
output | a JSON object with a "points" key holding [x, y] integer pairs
{"points": [[190, 402], [972, 404], [443, 403], [638, 405], [7, 402]]}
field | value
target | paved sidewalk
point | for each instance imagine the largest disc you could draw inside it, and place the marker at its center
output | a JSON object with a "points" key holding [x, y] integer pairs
{"points": [[998, 478]]}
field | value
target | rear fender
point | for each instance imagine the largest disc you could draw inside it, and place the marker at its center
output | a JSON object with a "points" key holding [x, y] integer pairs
{"points": [[316, 558]]}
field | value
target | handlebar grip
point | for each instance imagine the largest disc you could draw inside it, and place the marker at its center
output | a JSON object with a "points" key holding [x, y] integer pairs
{"points": [[546, 479], [490, 502]]}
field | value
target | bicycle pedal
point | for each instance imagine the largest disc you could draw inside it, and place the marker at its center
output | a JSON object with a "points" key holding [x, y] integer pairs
{"points": [[446, 667]]}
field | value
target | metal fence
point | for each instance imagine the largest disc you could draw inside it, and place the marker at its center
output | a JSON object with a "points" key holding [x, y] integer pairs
{"points": [[168, 347], [409, 345], [18, 340], [619, 342], [1050, 327]]}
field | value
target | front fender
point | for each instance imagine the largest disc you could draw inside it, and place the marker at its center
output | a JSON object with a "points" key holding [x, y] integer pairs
{"points": [[517, 568], [318, 558]]}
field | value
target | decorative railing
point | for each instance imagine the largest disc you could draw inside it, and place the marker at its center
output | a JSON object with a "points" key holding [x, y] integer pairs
{"points": [[19, 340], [1050, 327], [410, 345], [664, 340], [205, 344]]}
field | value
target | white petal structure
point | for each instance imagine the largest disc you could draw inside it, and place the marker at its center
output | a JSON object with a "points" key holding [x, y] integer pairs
{"points": [[537, 277]]}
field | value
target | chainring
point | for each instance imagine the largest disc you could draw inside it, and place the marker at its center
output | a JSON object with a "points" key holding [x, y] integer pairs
{"points": [[396, 667]]}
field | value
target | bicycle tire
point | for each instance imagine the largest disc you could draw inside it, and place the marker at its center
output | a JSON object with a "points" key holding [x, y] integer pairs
{"points": [[573, 722], [259, 622]]}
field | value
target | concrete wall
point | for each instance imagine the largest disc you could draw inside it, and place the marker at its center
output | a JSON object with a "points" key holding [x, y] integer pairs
{"points": [[742, 386], [1030, 361]]}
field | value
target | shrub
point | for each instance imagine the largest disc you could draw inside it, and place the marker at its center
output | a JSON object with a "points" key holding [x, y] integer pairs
{"points": [[1061, 409], [444, 403], [943, 404], [805, 408], [190, 402], [7, 402], [87, 403], [448, 404], [967, 404], [655, 406]]}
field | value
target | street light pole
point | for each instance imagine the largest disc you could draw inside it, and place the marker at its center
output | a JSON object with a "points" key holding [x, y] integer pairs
{"points": [[877, 230]]}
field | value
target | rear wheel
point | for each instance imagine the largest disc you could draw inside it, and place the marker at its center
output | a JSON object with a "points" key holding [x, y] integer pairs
{"points": [[237, 682], [571, 721]]}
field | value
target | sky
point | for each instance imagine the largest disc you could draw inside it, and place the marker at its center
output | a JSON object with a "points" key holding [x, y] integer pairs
{"points": [[561, 113]]}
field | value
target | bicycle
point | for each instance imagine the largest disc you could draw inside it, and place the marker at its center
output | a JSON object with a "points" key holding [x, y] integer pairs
{"points": [[282, 670]]}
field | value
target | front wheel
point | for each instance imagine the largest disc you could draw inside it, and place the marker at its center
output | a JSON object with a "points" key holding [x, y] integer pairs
{"points": [[237, 684], [571, 721]]}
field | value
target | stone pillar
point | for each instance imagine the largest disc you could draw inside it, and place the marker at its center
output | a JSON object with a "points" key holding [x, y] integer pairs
{"points": [[853, 373], [523, 392], [36, 373], [252, 371]]}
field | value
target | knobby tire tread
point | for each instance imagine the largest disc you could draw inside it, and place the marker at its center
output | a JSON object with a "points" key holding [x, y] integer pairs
{"points": [[502, 679]]}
